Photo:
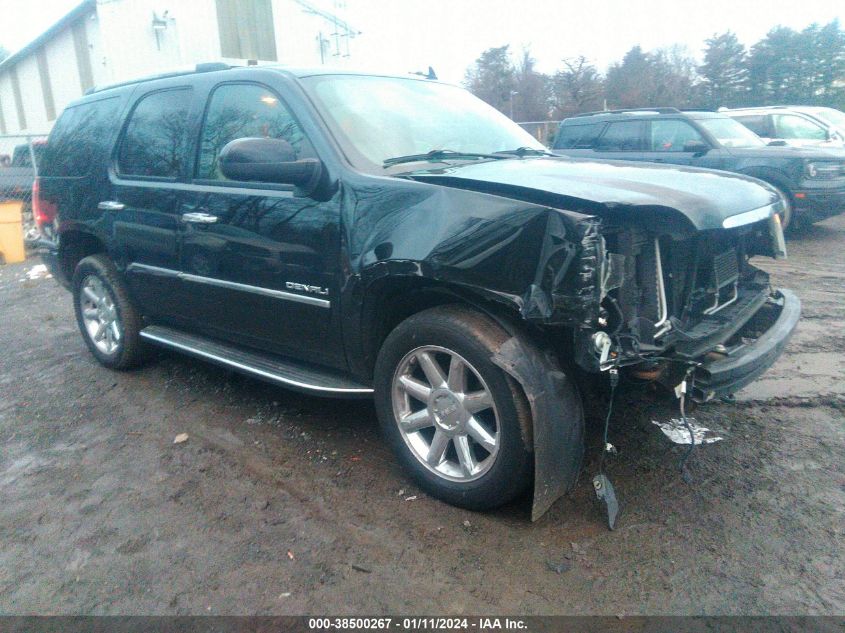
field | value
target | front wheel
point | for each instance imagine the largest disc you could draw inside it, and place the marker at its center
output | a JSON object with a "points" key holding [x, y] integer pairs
{"points": [[456, 421]]}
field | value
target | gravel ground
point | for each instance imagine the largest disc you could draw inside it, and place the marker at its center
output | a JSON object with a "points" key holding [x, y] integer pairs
{"points": [[279, 503]]}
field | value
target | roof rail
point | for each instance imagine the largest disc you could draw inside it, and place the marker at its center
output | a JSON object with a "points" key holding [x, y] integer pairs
{"points": [[772, 107], [661, 110], [205, 67]]}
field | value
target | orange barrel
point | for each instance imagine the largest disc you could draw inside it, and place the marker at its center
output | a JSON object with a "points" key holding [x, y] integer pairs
{"points": [[11, 231]]}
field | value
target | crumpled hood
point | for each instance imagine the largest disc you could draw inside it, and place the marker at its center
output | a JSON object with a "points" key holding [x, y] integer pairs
{"points": [[705, 197]]}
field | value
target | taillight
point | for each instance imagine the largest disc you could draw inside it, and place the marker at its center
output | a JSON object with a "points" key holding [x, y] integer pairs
{"points": [[43, 211]]}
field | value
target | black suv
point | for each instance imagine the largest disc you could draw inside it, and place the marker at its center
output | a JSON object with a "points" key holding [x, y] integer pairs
{"points": [[811, 180], [395, 237]]}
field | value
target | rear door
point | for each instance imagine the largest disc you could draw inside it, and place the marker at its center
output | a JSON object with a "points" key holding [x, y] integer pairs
{"points": [[145, 199], [264, 259], [760, 124], [622, 140]]}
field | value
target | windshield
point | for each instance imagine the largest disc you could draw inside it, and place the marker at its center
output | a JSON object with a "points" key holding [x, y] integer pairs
{"points": [[830, 115], [378, 118], [731, 133]]}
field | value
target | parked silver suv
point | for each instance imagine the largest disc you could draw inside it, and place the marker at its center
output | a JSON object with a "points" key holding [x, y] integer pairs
{"points": [[794, 125]]}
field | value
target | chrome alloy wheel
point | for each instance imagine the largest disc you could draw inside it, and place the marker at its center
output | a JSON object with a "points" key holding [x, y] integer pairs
{"points": [[99, 314], [445, 413]]}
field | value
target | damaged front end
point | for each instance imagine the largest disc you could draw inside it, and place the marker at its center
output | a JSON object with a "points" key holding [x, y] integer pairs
{"points": [[674, 307], [671, 302]]}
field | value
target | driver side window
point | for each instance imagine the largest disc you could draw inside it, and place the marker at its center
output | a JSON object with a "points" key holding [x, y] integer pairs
{"points": [[671, 135], [789, 126], [245, 111]]}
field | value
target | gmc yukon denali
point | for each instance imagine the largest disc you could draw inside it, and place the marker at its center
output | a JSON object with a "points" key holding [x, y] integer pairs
{"points": [[395, 237]]}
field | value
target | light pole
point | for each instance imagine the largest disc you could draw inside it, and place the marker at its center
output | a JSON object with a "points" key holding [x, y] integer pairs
{"points": [[513, 94]]}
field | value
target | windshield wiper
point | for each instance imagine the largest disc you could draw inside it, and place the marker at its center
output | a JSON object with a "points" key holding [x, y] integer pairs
{"points": [[526, 151], [439, 154]]}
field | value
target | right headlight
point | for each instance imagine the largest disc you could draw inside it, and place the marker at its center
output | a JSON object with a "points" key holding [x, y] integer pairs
{"points": [[824, 169]]}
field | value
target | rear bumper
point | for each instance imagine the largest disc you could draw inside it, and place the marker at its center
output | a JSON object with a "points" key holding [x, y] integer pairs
{"points": [[48, 251], [757, 345]]}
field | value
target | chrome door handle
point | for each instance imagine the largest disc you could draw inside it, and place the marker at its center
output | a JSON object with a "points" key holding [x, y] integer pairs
{"points": [[199, 218], [111, 205]]}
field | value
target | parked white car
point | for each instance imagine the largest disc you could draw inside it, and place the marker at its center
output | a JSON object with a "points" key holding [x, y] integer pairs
{"points": [[794, 125]]}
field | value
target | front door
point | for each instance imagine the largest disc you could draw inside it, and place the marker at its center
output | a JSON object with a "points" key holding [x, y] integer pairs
{"points": [[667, 142], [263, 260]]}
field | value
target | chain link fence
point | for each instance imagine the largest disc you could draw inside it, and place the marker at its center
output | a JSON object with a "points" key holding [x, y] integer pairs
{"points": [[19, 156], [543, 131]]}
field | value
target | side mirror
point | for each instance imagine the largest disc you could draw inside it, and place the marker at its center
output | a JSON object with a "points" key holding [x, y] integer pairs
{"points": [[268, 160], [696, 147]]}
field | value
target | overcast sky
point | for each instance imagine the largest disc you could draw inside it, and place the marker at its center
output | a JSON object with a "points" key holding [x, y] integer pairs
{"points": [[408, 35]]}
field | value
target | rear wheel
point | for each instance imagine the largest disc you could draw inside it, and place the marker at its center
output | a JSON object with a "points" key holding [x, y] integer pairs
{"points": [[454, 419], [109, 322]]}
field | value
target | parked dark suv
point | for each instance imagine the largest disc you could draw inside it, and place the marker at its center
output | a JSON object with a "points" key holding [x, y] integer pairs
{"points": [[811, 180], [356, 235]]}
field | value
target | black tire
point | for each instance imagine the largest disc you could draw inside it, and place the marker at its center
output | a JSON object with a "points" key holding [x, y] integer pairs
{"points": [[473, 336], [129, 348]]}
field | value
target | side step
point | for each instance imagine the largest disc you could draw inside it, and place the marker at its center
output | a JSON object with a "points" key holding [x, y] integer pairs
{"points": [[272, 368]]}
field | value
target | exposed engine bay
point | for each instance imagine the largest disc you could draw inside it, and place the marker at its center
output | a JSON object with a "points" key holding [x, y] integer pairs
{"points": [[672, 301]]}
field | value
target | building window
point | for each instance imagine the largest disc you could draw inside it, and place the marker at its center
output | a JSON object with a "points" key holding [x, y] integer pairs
{"points": [[246, 29]]}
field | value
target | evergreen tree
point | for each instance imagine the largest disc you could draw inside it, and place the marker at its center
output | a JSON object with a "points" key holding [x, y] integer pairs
{"points": [[724, 73]]}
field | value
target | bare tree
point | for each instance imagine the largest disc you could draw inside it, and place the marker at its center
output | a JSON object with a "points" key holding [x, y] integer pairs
{"points": [[578, 87], [531, 98]]}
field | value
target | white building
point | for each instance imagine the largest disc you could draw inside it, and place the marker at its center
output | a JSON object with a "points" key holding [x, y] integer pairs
{"points": [[106, 41]]}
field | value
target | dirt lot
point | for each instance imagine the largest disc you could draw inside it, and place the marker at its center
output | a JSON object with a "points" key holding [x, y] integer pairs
{"points": [[281, 503]]}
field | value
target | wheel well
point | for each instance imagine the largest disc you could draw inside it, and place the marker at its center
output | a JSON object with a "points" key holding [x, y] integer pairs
{"points": [[771, 177], [394, 299], [76, 245]]}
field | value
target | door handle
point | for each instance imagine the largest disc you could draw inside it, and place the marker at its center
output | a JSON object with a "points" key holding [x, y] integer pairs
{"points": [[111, 205], [199, 218]]}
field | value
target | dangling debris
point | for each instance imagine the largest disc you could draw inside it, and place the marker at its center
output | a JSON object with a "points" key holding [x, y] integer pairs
{"points": [[677, 431], [605, 492]]}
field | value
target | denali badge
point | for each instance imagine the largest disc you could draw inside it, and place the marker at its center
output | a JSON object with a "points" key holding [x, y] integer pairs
{"points": [[314, 290]]}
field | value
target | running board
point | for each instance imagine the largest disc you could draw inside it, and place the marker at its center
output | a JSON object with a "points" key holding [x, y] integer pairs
{"points": [[274, 369]]}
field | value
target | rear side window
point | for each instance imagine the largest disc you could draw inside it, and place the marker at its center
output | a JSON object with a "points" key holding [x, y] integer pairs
{"points": [[759, 124], [78, 137], [155, 141], [246, 111], [577, 136], [623, 136]]}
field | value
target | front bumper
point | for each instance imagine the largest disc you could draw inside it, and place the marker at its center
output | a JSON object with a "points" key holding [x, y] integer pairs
{"points": [[751, 351], [815, 205]]}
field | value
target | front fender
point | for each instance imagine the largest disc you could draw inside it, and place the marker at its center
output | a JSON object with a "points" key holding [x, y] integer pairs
{"points": [[557, 414]]}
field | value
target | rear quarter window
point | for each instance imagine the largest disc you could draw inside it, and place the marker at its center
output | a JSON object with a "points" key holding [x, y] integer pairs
{"points": [[578, 136], [79, 135], [155, 142]]}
